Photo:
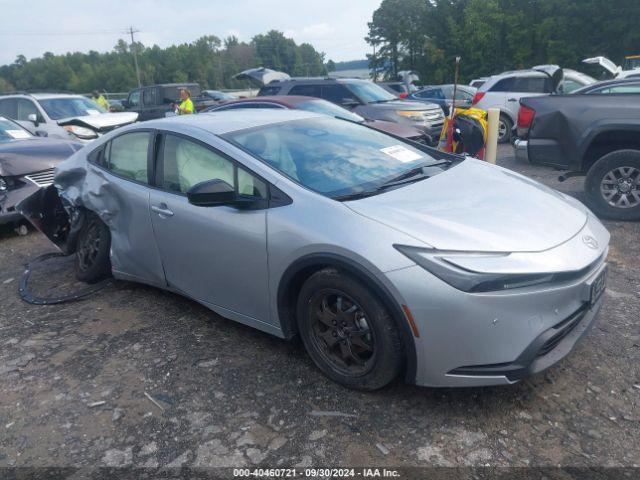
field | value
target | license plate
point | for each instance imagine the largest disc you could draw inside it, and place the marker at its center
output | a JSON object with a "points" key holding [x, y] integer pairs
{"points": [[598, 286]]}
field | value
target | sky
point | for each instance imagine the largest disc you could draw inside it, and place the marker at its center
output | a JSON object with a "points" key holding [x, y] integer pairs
{"points": [[336, 27]]}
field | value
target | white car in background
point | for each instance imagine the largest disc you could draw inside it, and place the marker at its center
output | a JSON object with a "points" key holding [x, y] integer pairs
{"points": [[505, 90], [62, 115], [631, 66]]}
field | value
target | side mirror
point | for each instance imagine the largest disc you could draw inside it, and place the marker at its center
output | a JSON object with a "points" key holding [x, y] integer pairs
{"points": [[211, 193], [125, 103], [33, 118], [349, 103]]}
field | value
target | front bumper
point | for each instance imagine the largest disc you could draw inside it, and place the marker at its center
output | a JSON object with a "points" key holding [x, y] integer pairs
{"points": [[522, 150], [9, 200], [468, 339]]}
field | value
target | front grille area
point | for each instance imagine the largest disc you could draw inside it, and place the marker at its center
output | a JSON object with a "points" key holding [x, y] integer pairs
{"points": [[541, 346], [41, 179], [562, 330], [433, 116]]}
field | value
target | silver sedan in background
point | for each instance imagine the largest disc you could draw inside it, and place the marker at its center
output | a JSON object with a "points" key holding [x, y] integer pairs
{"points": [[384, 257]]}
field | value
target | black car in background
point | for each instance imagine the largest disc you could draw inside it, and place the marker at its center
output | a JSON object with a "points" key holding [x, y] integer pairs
{"points": [[154, 101], [26, 164], [593, 132]]}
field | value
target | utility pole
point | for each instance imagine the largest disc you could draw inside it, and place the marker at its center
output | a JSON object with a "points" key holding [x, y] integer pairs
{"points": [[135, 55], [375, 65]]}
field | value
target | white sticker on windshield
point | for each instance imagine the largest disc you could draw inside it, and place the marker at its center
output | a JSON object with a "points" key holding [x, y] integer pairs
{"points": [[18, 133], [91, 111], [401, 153]]}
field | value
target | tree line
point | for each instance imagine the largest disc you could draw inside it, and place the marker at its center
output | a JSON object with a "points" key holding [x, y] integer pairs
{"points": [[493, 36], [209, 61]]}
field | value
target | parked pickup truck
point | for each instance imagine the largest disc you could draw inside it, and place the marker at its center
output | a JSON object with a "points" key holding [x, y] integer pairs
{"points": [[596, 135], [154, 101]]}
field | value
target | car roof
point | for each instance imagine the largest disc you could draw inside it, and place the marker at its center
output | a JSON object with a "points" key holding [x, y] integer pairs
{"points": [[43, 96], [317, 80], [285, 100], [607, 83], [227, 121]]}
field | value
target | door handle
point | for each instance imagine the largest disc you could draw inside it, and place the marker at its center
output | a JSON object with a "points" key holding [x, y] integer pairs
{"points": [[162, 210], [512, 99]]}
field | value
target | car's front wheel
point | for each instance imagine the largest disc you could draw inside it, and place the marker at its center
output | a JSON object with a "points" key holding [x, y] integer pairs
{"points": [[613, 185], [92, 251], [348, 332]]}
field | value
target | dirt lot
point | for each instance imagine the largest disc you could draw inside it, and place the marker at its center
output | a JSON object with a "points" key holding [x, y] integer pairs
{"points": [[75, 382]]}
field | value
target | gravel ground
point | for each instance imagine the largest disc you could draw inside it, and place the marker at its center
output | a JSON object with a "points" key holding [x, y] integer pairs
{"points": [[134, 376]]}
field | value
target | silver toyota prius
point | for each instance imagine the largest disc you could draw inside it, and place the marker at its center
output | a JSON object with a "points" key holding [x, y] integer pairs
{"points": [[385, 257]]}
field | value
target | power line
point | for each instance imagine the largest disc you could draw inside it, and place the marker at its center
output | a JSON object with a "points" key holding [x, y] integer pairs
{"points": [[58, 33]]}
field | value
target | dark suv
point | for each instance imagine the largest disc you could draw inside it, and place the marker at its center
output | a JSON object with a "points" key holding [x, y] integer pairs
{"points": [[154, 101], [364, 98]]}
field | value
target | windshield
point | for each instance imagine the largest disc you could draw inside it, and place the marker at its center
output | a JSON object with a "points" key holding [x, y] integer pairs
{"points": [[330, 156], [328, 108], [58, 108], [11, 131], [369, 92]]}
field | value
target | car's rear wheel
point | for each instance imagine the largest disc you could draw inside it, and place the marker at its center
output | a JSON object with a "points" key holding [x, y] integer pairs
{"points": [[92, 252], [348, 332], [504, 129], [613, 185]]}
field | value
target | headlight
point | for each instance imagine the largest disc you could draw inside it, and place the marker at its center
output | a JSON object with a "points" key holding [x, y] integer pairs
{"points": [[81, 132], [3, 185], [440, 263], [415, 115]]}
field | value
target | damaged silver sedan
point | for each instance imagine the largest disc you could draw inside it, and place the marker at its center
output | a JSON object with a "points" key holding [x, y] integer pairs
{"points": [[383, 255], [26, 164]]}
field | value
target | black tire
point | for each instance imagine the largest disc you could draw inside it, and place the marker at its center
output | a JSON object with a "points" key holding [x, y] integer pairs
{"points": [[505, 125], [92, 250], [612, 185], [369, 334]]}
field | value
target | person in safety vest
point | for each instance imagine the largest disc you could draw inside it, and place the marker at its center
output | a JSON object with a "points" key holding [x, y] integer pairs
{"points": [[186, 105], [100, 100]]}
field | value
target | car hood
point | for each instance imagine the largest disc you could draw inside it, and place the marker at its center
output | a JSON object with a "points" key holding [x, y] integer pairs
{"points": [[21, 157], [101, 122], [397, 129], [405, 105], [478, 207]]}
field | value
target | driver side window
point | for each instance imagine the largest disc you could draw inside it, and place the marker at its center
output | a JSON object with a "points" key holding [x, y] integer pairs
{"points": [[134, 98], [186, 163]]}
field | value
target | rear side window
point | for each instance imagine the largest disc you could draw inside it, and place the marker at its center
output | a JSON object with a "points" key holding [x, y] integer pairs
{"points": [[186, 163], [134, 98], [149, 96], [264, 91], [337, 93], [9, 108], [127, 156], [504, 85], [237, 106], [532, 85], [306, 90]]}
